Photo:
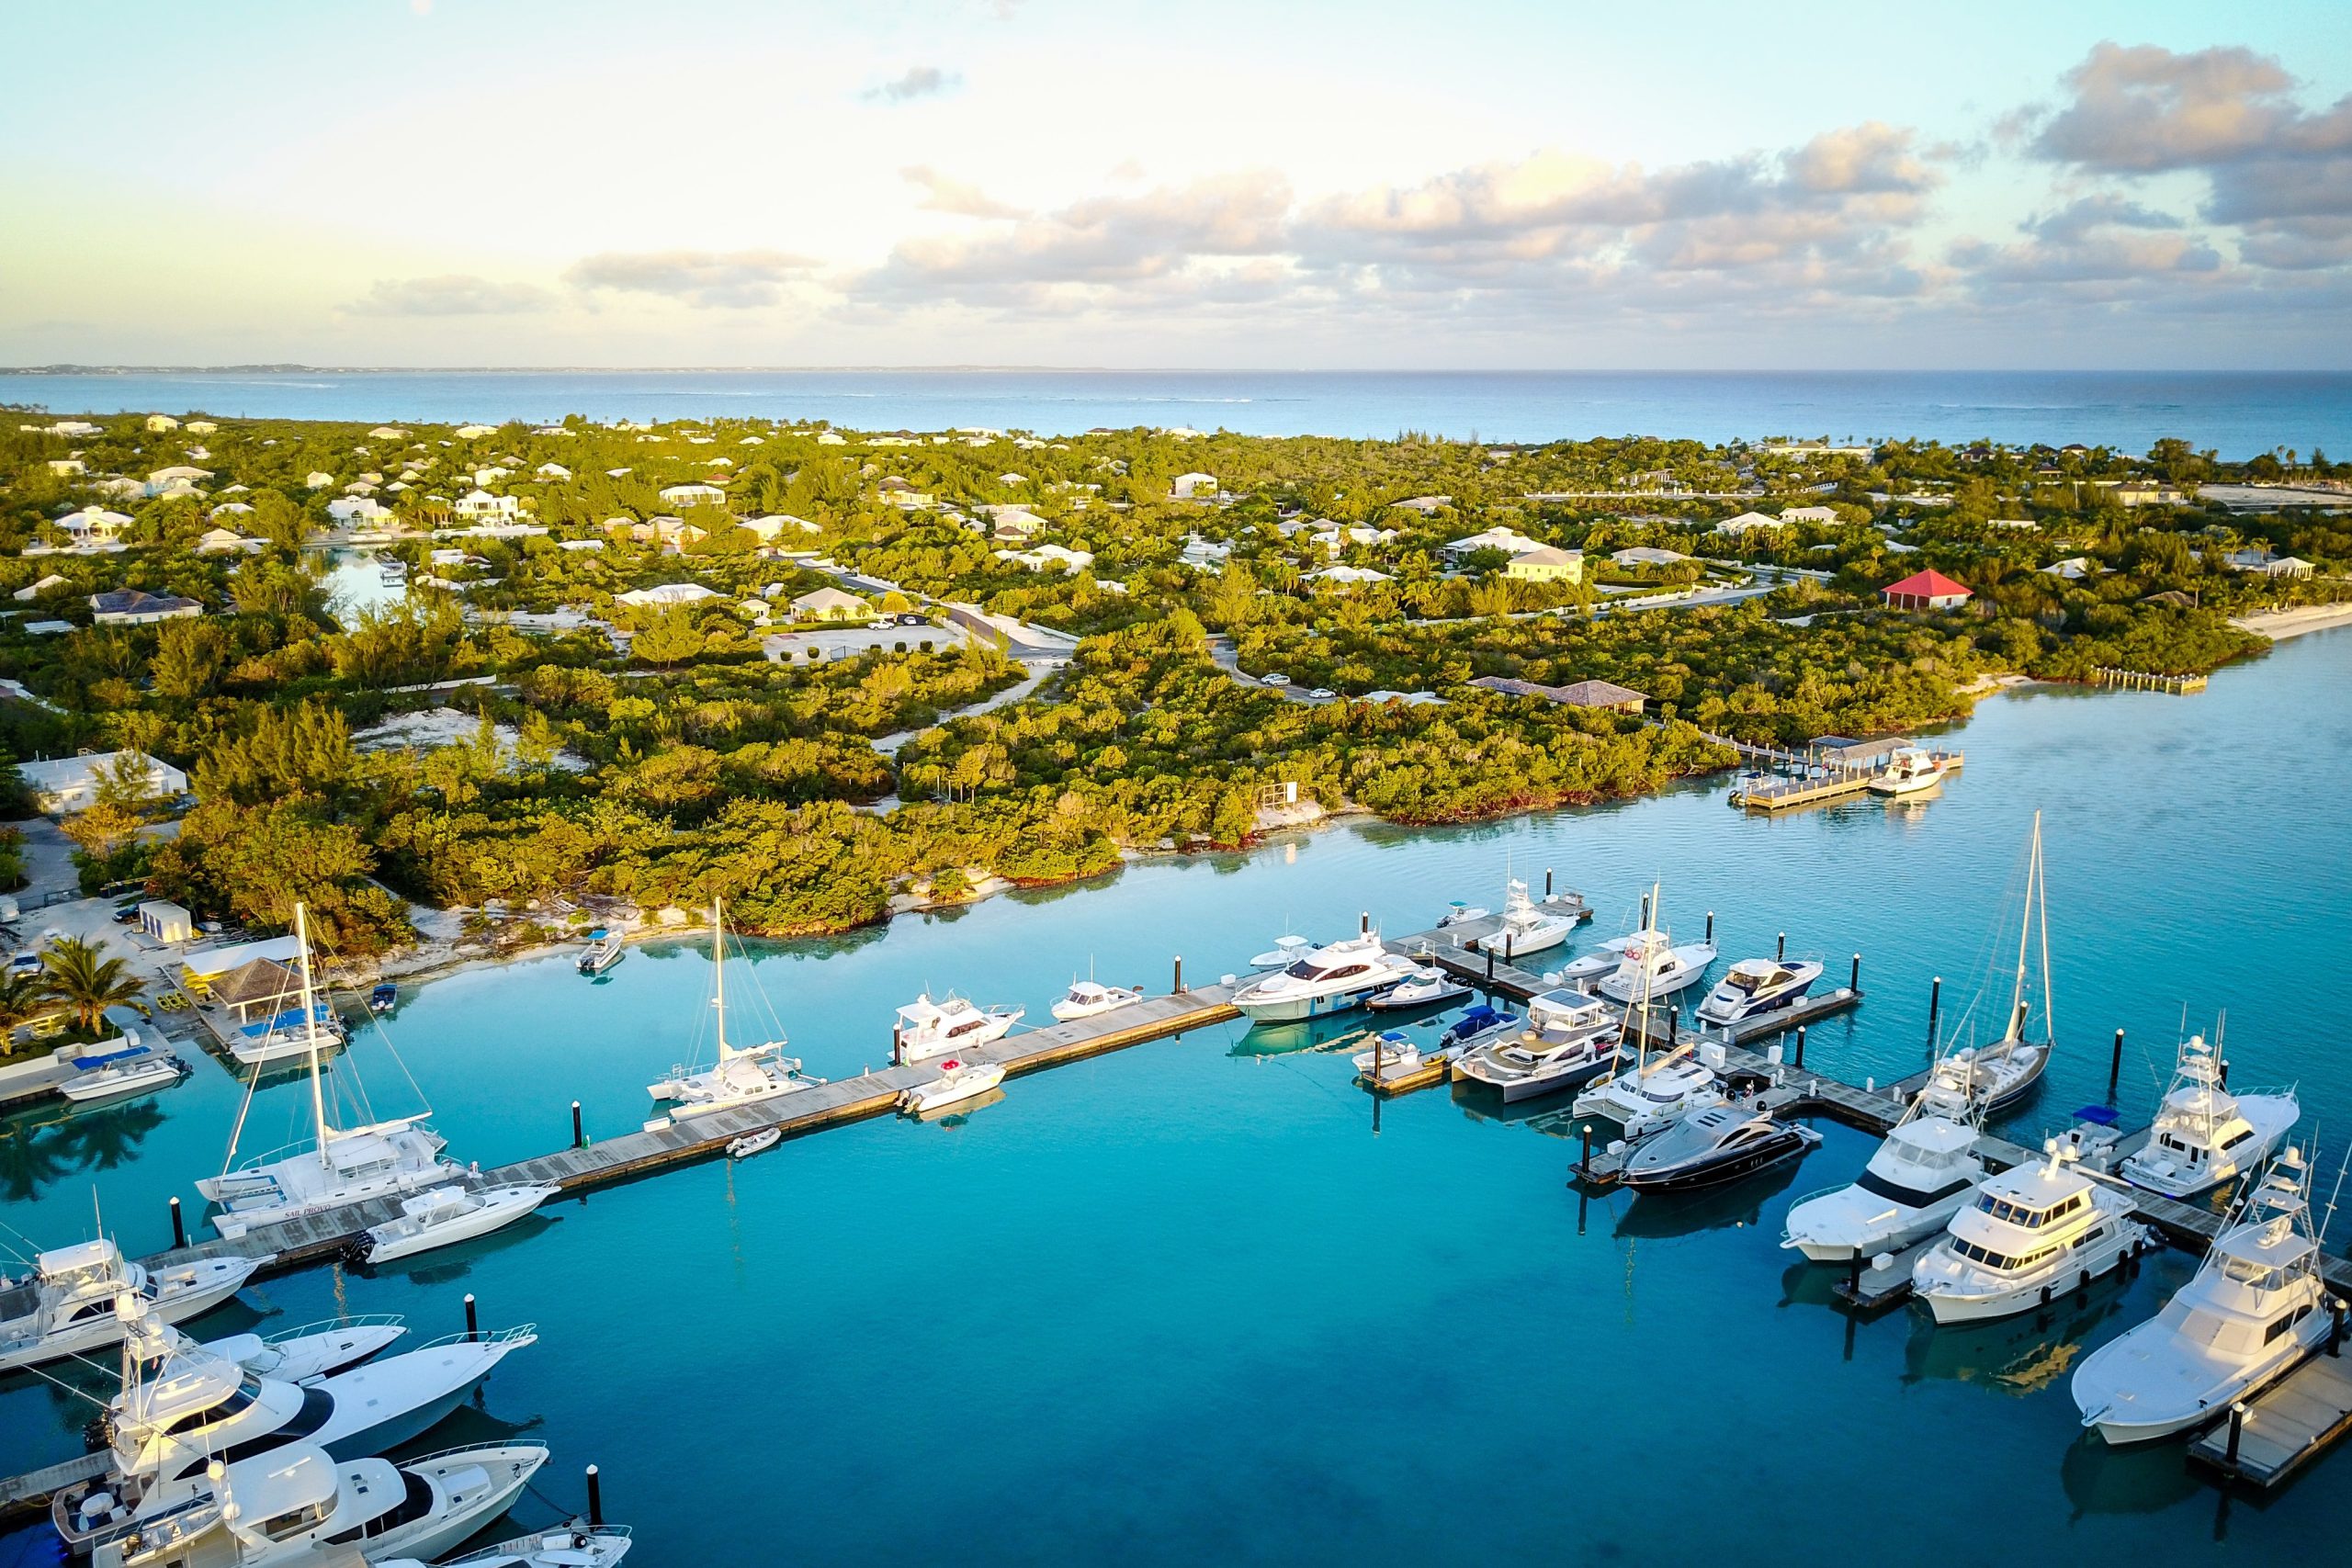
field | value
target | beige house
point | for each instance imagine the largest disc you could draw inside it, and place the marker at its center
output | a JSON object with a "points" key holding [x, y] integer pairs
{"points": [[831, 604], [1547, 563]]}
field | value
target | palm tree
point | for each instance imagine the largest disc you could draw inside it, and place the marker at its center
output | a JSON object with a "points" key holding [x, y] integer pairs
{"points": [[23, 997], [87, 983]]}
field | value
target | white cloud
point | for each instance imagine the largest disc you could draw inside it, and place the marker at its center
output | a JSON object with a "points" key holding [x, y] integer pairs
{"points": [[943, 194], [728, 279], [450, 294], [916, 81]]}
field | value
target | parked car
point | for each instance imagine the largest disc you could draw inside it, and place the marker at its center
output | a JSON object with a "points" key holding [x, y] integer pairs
{"points": [[126, 914], [914, 621]]}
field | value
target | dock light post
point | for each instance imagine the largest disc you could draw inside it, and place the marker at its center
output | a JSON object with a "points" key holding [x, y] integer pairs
{"points": [[1935, 1005], [1799, 1061], [179, 1227], [1781, 948], [2237, 1430], [1176, 987], [1711, 925], [473, 1322], [579, 1135], [1854, 982], [2115, 1067], [596, 1499]]}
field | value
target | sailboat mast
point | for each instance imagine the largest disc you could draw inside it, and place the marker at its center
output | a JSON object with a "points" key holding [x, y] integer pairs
{"points": [[718, 970], [2024, 925], [310, 1033], [2042, 919]]}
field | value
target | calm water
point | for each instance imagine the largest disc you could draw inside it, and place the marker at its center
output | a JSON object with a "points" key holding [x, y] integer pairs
{"points": [[2238, 413], [1182, 1303]]}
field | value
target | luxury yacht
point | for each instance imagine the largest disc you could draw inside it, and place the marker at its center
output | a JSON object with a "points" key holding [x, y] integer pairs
{"points": [[1758, 987], [1710, 1147], [298, 1506], [119, 1068], [2032, 1233], [66, 1306], [194, 1405], [957, 1082], [1327, 979], [2203, 1134], [1651, 965], [606, 949], [315, 1351], [1656, 1092], [1425, 985], [338, 1166], [2254, 1306], [574, 1545], [1910, 769], [1916, 1180], [1570, 1037], [1526, 926], [1088, 999], [446, 1216], [742, 1075], [928, 1028]]}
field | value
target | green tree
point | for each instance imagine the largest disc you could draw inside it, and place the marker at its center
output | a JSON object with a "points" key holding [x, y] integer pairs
{"points": [[85, 981], [188, 657]]}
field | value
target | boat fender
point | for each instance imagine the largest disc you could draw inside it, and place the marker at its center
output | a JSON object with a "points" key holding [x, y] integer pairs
{"points": [[2045, 1295]]}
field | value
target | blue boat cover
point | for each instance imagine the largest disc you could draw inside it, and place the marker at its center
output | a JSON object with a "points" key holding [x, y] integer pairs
{"points": [[2103, 1115]]}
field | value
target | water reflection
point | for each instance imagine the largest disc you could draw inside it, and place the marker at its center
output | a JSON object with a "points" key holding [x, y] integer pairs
{"points": [[40, 1148], [1739, 1206], [2020, 1355], [2142, 1479]]}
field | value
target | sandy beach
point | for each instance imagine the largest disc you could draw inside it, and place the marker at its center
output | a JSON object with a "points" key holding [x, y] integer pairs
{"points": [[2279, 623]]}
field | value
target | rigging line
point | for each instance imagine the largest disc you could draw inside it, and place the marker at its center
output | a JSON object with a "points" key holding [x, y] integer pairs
{"points": [[367, 1111]]}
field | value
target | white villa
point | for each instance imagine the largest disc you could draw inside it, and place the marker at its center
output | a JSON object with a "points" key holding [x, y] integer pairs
{"points": [[667, 593], [66, 784], [480, 504], [683, 496]]}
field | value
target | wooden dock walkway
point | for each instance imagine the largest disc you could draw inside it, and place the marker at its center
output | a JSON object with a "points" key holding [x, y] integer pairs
{"points": [[2285, 1426], [1819, 784]]}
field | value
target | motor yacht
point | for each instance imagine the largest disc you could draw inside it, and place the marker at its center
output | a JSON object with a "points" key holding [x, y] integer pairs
{"points": [[1916, 1179], [337, 1166], [444, 1216], [1423, 986], [2203, 1134], [2031, 1233], [1287, 950], [1910, 769], [1328, 980], [1651, 965], [1526, 926], [1757, 988], [604, 950], [2255, 1306], [574, 1545], [300, 1505], [119, 1068], [66, 1306], [1458, 913], [1570, 1037], [928, 1028], [272, 1041], [957, 1082], [741, 1074], [1713, 1146], [1658, 1090], [1088, 999], [1604, 958], [313, 1351]]}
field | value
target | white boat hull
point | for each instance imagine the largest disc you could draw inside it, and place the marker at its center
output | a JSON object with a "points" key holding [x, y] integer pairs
{"points": [[208, 1282], [500, 1207], [95, 1088], [2271, 1116], [953, 1089], [472, 1487], [1946, 1305]]}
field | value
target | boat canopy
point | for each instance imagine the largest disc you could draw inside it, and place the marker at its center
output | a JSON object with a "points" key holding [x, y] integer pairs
{"points": [[93, 1256], [131, 1049]]}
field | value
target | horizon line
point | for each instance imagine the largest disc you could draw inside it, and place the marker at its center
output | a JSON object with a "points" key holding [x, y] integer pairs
{"points": [[72, 368]]}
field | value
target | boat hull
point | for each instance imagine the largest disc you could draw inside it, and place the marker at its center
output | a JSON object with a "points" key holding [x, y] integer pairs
{"points": [[212, 1281], [1950, 1306], [502, 1207], [1722, 1171]]}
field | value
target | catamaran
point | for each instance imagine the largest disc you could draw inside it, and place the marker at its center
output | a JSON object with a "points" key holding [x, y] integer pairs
{"points": [[743, 1075], [338, 1166], [1570, 1038], [2203, 1134]]}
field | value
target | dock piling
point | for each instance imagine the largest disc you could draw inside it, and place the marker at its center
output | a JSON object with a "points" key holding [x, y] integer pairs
{"points": [[1935, 1005], [1711, 925], [1781, 948], [179, 1227], [1673, 1028], [1646, 912], [1176, 987], [1547, 882], [473, 1321], [579, 1134], [1799, 1061], [1490, 963], [1364, 923], [1854, 982], [2115, 1067], [596, 1499], [2237, 1430], [2335, 1325], [1586, 1163]]}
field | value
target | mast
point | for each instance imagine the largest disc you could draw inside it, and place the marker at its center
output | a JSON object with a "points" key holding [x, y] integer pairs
{"points": [[2041, 919], [310, 1034], [719, 973], [2025, 924]]}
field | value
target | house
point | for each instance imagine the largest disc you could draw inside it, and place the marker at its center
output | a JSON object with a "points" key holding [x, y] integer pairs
{"points": [[1194, 487], [831, 604], [317, 480], [477, 504], [1606, 696], [771, 526], [199, 427], [667, 593], [474, 431], [1203, 555], [358, 509], [1646, 555], [386, 432], [2267, 564], [1747, 521], [136, 608], [200, 971], [93, 525], [2024, 522], [62, 785], [178, 473], [683, 496], [1546, 563], [221, 541], [552, 471], [160, 423], [45, 585], [2074, 569], [492, 474], [1809, 514], [1427, 506], [1335, 538], [1348, 576], [1928, 590], [1049, 557], [1502, 536], [66, 467]]}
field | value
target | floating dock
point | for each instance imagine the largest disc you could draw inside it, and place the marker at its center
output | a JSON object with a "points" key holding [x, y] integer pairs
{"points": [[2285, 1426], [1818, 785]]}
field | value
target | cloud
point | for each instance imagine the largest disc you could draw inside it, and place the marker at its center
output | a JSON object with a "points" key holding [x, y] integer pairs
{"points": [[450, 294], [725, 280], [918, 82], [942, 194]]}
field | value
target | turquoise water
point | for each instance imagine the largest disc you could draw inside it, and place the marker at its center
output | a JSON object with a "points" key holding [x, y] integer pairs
{"points": [[1185, 1302], [2237, 413]]}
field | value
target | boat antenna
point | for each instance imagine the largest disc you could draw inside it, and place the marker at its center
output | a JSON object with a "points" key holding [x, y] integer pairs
{"points": [[310, 1031]]}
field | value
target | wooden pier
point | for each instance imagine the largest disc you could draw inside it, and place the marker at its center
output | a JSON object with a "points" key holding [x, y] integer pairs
{"points": [[1818, 785], [2284, 1428], [2141, 681]]}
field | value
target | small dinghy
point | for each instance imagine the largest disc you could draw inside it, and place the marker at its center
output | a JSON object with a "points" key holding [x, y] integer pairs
{"points": [[1425, 986], [957, 1082], [751, 1143], [1479, 1026], [1710, 1147], [442, 1216], [381, 1000]]}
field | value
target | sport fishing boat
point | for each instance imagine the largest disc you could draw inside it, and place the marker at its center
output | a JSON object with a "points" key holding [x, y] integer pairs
{"points": [[957, 1082], [1424, 985], [1589, 966], [1526, 926], [1286, 952], [1570, 1038], [1997, 1076], [928, 1028], [604, 950], [1652, 966], [1916, 1180], [1758, 987], [314, 1351], [338, 1166], [1088, 999], [1328, 980], [742, 1075], [66, 1306], [1910, 769], [119, 1068], [2032, 1233], [2203, 1134], [267, 1042], [1458, 913], [298, 1506], [183, 1406], [1710, 1147], [2255, 1306], [444, 1216], [1661, 1087], [574, 1545]]}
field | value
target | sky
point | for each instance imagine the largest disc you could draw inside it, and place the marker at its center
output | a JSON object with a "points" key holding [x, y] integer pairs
{"points": [[1368, 186]]}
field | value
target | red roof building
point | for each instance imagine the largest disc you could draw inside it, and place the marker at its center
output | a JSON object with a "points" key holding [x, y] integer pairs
{"points": [[1926, 591]]}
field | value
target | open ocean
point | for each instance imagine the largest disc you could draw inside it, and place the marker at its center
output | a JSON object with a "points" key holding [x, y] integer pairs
{"points": [[2237, 413]]}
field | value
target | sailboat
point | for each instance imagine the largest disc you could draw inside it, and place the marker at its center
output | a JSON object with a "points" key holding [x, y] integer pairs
{"points": [[1994, 1076], [338, 1166], [743, 1075], [1658, 1090]]}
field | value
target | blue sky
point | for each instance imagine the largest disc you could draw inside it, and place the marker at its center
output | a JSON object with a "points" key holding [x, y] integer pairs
{"points": [[506, 182]]}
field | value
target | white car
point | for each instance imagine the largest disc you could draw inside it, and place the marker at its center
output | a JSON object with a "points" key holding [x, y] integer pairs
{"points": [[1323, 693], [1276, 681]]}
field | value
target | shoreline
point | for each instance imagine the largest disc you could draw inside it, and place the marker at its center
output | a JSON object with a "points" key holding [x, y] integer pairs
{"points": [[2280, 625]]}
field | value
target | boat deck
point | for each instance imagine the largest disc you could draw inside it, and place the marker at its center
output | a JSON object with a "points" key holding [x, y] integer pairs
{"points": [[2287, 1425]]}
